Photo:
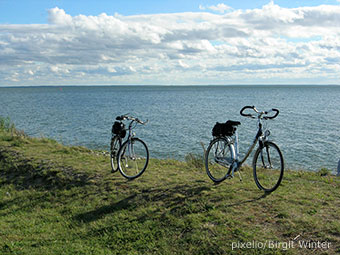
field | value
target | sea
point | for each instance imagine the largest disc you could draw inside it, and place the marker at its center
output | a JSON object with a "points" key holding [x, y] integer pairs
{"points": [[180, 118]]}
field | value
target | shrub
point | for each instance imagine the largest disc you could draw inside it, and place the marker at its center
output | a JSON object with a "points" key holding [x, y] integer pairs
{"points": [[324, 172], [194, 160], [6, 124]]}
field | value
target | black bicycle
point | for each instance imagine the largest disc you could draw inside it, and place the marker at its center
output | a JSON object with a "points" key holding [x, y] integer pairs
{"points": [[131, 157]]}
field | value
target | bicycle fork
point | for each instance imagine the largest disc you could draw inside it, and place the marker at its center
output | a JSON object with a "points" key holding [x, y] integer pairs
{"points": [[131, 150], [269, 165], [262, 145], [133, 158], [128, 154]]}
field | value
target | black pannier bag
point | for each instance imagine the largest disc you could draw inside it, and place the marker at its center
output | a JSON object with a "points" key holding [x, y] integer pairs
{"points": [[118, 129], [223, 129]]}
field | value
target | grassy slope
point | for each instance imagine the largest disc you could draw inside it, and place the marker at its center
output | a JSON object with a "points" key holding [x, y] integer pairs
{"points": [[64, 200]]}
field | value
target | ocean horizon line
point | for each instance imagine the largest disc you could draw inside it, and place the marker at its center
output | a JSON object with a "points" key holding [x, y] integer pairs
{"points": [[170, 85]]}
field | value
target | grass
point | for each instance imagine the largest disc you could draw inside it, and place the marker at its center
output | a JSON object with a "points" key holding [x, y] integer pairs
{"points": [[59, 199]]}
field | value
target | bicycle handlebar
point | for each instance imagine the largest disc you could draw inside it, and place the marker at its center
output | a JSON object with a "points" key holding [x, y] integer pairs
{"points": [[259, 114], [272, 117], [126, 117], [248, 115]]}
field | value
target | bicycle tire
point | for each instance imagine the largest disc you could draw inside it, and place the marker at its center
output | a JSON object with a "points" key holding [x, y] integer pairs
{"points": [[268, 167], [133, 161], [116, 143], [218, 157]]}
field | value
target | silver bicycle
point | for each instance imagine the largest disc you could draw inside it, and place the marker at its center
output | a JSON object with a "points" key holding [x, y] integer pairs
{"points": [[223, 152], [131, 158]]}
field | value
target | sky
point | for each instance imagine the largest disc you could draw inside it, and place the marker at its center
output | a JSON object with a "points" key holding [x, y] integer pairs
{"points": [[148, 42]]}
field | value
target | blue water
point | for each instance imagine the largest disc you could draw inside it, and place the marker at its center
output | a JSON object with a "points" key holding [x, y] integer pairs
{"points": [[180, 117]]}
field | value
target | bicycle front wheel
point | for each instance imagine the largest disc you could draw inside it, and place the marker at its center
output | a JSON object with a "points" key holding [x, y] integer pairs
{"points": [[116, 142], [218, 159], [133, 158], [268, 167]]}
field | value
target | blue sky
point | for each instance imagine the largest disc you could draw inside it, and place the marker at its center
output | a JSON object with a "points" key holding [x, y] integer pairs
{"points": [[35, 11], [64, 42]]}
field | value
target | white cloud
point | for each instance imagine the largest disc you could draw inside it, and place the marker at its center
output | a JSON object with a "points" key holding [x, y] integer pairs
{"points": [[270, 44], [181, 64], [58, 16], [222, 8]]}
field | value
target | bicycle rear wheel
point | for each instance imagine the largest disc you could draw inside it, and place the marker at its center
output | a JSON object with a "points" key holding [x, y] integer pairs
{"points": [[116, 142], [218, 159], [268, 167], [133, 158]]}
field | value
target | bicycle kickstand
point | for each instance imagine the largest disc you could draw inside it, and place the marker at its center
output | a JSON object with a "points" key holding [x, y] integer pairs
{"points": [[239, 174], [236, 168]]}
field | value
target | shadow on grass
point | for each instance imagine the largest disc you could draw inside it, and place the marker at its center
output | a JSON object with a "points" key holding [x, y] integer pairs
{"points": [[146, 213], [178, 200], [44, 175], [249, 200], [173, 198], [107, 209]]}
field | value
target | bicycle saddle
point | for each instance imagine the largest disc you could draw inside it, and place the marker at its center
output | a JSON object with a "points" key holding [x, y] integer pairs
{"points": [[233, 123]]}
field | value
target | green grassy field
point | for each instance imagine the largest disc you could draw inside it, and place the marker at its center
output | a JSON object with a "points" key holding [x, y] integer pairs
{"points": [[59, 199]]}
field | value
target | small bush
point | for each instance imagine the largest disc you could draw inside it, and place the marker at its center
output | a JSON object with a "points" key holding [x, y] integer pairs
{"points": [[324, 172], [6, 124], [194, 160]]}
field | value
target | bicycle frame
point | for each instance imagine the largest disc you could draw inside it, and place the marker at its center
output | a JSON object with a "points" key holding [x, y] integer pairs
{"points": [[238, 163]]}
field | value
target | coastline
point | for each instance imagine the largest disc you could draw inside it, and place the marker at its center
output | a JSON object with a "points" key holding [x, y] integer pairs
{"points": [[78, 205], [181, 117]]}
